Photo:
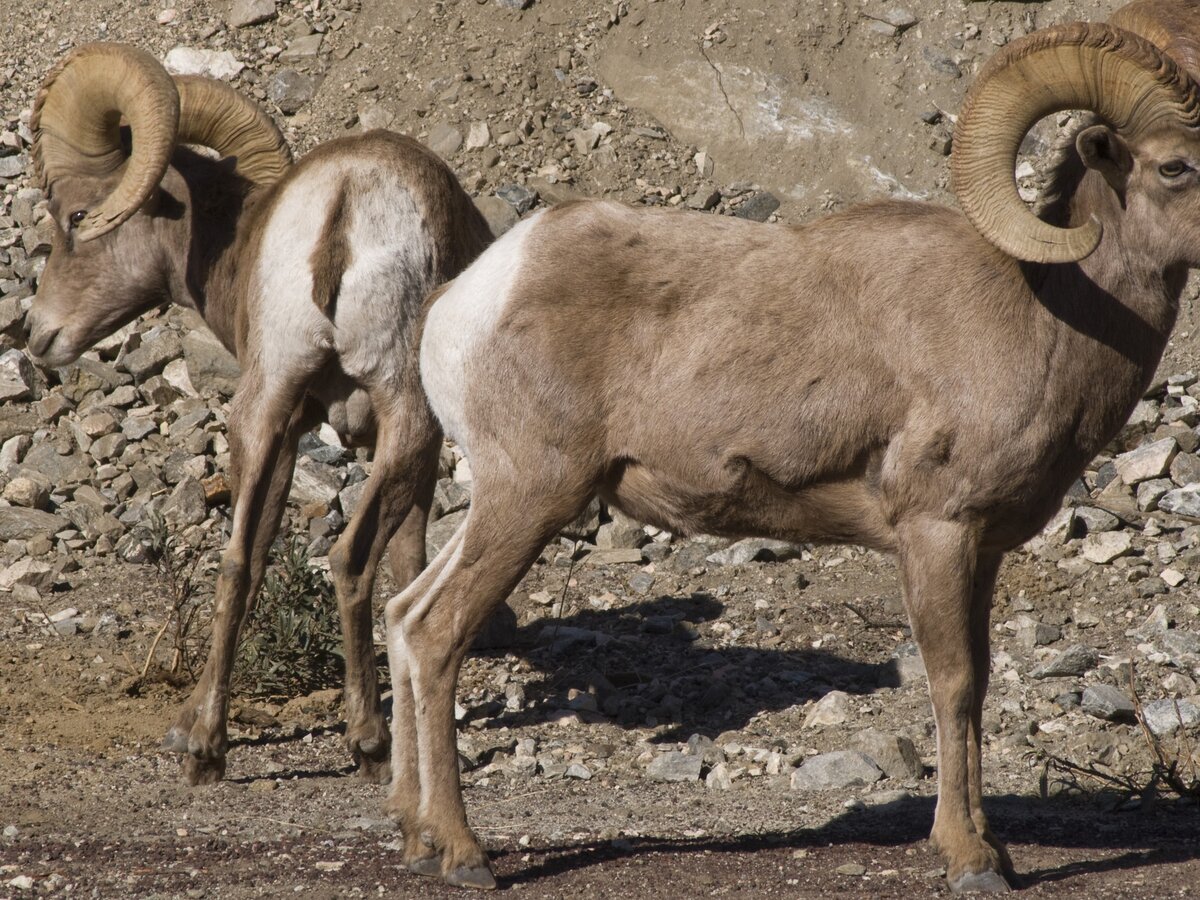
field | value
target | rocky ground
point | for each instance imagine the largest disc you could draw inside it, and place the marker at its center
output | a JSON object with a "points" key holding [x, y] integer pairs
{"points": [[658, 714]]}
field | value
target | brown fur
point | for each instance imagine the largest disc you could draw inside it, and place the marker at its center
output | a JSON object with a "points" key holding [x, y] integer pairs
{"points": [[198, 241], [882, 376]]}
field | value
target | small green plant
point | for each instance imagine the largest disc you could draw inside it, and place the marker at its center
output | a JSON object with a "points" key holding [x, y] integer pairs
{"points": [[291, 644]]}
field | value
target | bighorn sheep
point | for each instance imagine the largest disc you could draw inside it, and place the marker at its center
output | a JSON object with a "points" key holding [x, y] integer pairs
{"points": [[311, 274], [898, 375]]}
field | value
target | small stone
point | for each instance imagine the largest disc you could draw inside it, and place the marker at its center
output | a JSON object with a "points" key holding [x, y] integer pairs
{"points": [[675, 766], [705, 197], [151, 357], [1173, 577], [1149, 461], [1106, 702], [499, 214], [1073, 661], [1151, 491], [29, 572], [521, 197], [900, 18], [478, 136], [853, 870], [17, 524], [578, 770], [832, 771], [1096, 520], [758, 207], [718, 778], [16, 376], [1104, 548], [832, 709], [27, 492], [186, 505], [250, 12], [514, 4], [302, 49], [896, 755], [290, 90], [444, 140], [1165, 717], [752, 549], [195, 61], [1184, 501]]}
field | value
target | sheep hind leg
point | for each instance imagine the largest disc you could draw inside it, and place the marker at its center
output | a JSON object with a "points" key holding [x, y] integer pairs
{"points": [[404, 800], [399, 490], [263, 450], [502, 536], [938, 560]]}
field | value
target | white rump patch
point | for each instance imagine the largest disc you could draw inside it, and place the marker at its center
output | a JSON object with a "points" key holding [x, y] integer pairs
{"points": [[462, 320]]}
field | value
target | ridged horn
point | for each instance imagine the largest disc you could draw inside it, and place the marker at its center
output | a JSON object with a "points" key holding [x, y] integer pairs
{"points": [[214, 115], [1171, 25], [1121, 77], [77, 127]]}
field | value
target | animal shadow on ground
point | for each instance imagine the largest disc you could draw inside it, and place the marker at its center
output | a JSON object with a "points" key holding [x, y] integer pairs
{"points": [[642, 664], [1147, 839]]}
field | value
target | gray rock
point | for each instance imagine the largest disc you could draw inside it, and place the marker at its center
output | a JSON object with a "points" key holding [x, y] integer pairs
{"points": [[302, 49], [60, 469], [196, 61], [151, 357], [1149, 461], [29, 572], [1073, 661], [896, 755], [315, 482], [13, 166], [521, 197], [1165, 717], [515, 4], [186, 505], [500, 214], [349, 497], [1151, 491], [675, 766], [1106, 702], [621, 533], [751, 549], [18, 524], [27, 492], [290, 90], [16, 376], [1185, 469], [758, 207], [1096, 520], [1104, 548], [444, 140], [1183, 647], [832, 709], [832, 771], [250, 12], [1184, 501]]}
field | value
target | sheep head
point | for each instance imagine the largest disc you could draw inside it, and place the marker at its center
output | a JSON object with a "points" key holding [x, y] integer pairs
{"points": [[107, 122], [1147, 149]]}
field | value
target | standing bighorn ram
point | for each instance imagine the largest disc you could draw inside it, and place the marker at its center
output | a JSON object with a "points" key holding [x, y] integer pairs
{"points": [[899, 375], [311, 274]]}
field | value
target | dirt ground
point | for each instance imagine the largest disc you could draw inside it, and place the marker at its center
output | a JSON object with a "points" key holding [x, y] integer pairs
{"points": [[90, 807]]}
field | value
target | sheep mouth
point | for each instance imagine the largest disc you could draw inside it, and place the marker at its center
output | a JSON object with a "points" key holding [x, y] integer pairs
{"points": [[48, 351]]}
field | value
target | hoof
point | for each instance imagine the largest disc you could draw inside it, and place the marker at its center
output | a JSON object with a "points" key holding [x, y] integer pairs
{"points": [[987, 882], [427, 866], [200, 771], [374, 760], [176, 741], [479, 877]]}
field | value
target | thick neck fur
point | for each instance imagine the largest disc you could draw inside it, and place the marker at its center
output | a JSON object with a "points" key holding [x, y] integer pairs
{"points": [[1120, 297], [222, 211]]}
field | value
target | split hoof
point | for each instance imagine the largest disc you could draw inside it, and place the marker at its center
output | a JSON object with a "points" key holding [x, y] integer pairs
{"points": [[199, 771], [987, 882], [478, 877], [426, 866]]}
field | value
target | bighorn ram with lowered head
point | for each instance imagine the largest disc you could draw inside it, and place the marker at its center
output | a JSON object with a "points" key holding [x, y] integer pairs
{"points": [[311, 274], [899, 375]]}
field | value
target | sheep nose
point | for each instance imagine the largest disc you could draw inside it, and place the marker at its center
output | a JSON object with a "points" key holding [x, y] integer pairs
{"points": [[26, 327], [38, 340]]}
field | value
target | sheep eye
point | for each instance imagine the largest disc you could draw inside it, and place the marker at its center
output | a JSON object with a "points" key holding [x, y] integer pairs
{"points": [[1173, 169], [78, 216]]}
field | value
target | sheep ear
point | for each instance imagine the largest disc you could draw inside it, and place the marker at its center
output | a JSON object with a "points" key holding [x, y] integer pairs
{"points": [[1102, 149]]}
